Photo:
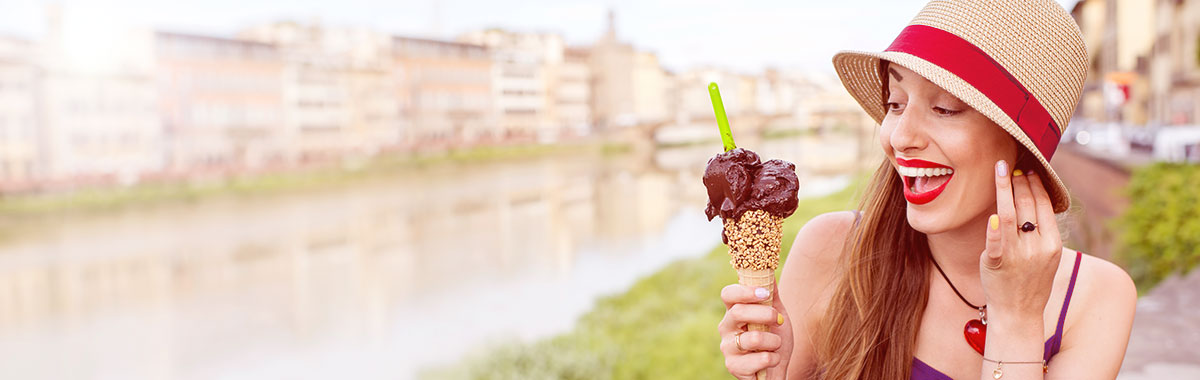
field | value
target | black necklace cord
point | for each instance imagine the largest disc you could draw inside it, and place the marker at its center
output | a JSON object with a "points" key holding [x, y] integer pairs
{"points": [[960, 296]]}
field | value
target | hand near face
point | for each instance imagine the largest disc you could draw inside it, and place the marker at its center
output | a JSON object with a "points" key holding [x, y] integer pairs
{"points": [[1018, 266]]}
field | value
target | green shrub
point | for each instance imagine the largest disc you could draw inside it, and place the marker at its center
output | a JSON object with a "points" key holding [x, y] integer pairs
{"points": [[663, 327], [1161, 229]]}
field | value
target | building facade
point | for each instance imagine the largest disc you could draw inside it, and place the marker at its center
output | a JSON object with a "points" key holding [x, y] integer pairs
{"points": [[97, 104], [19, 79], [1119, 35], [220, 102], [1174, 64], [571, 92], [629, 88], [524, 70], [444, 90]]}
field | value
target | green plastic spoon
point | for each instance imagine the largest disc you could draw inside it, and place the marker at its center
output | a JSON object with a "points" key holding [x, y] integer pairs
{"points": [[722, 121]]}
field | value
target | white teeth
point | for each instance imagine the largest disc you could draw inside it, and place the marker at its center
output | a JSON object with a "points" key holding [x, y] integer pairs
{"points": [[923, 172]]}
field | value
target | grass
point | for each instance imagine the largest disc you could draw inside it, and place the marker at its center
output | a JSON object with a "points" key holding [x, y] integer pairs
{"points": [[663, 327], [114, 198]]}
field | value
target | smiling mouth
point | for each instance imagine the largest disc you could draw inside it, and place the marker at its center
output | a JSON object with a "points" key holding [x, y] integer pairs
{"points": [[923, 180]]}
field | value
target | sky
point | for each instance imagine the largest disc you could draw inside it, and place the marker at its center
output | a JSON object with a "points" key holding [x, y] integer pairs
{"points": [[744, 35]]}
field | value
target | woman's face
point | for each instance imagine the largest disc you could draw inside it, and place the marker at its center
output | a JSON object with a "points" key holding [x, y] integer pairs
{"points": [[945, 150]]}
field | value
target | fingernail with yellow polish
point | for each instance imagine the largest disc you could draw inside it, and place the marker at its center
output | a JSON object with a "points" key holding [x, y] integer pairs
{"points": [[1017, 173], [780, 319], [994, 222]]}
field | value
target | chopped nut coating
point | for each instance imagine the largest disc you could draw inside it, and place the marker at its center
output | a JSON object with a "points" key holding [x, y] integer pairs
{"points": [[754, 240]]}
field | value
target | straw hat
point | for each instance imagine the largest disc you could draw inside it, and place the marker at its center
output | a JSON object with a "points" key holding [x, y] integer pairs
{"points": [[1021, 63]]}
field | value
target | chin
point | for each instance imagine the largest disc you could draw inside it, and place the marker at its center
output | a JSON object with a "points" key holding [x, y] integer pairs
{"points": [[930, 220], [945, 214]]}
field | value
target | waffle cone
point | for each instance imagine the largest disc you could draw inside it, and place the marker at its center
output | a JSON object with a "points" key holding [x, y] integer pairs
{"points": [[754, 243], [758, 278]]}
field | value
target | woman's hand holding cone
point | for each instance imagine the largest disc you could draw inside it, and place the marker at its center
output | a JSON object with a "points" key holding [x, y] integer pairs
{"points": [[759, 350]]}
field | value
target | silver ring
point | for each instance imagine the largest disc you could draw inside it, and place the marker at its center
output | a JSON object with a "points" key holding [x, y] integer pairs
{"points": [[737, 341]]}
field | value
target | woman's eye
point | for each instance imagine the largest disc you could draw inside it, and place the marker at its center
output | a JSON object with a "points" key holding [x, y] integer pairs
{"points": [[893, 107], [944, 111]]}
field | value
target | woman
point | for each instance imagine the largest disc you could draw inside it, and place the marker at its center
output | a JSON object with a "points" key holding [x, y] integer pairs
{"points": [[958, 225]]}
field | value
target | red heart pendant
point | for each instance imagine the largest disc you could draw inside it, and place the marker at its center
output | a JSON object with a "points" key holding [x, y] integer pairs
{"points": [[976, 333]]}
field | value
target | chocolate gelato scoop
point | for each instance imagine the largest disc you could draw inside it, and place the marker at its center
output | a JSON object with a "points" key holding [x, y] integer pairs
{"points": [[738, 182]]}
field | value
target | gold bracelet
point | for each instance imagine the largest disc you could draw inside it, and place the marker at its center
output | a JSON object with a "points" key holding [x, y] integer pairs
{"points": [[999, 371]]}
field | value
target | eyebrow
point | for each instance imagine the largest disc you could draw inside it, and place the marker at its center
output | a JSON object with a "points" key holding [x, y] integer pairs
{"points": [[896, 74]]}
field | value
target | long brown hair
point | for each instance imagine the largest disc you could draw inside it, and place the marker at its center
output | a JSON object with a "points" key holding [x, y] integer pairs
{"points": [[870, 328]]}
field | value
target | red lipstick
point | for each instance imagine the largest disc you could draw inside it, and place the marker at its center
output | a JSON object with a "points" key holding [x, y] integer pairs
{"points": [[928, 196]]}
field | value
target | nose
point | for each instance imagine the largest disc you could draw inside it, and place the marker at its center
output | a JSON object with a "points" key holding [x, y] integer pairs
{"points": [[908, 135]]}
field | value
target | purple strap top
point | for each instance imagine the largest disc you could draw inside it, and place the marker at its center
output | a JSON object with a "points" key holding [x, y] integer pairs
{"points": [[922, 371]]}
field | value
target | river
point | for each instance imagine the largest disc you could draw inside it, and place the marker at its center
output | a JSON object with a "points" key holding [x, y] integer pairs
{"points": [[376, 279]]}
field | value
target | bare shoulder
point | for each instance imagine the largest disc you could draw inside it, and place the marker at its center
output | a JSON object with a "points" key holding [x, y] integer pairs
{"points": [[818, 245], [804, 285], [1099, 320], [1104, 297], [1103, 283], [815, 255]]}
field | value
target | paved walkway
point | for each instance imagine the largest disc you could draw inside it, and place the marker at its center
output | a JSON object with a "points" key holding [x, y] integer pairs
{"points": [[1166, 329]]}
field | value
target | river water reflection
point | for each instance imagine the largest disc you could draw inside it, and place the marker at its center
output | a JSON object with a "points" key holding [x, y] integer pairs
{"points": [[371, 280]]}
